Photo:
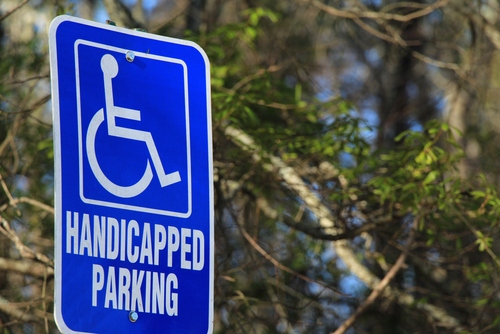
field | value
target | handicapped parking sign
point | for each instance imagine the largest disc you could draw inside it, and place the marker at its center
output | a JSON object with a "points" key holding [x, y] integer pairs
{"points": [[133, 181]]}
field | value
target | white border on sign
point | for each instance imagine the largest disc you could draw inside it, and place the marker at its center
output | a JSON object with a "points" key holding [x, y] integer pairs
{"points": [[80, 131], [57, 158]]}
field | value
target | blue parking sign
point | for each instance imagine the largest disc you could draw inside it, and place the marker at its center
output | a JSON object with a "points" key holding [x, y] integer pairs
{"points": [[133, 181]]}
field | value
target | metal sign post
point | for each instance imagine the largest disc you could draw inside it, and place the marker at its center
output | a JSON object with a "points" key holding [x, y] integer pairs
{"points": [[133, 181]]}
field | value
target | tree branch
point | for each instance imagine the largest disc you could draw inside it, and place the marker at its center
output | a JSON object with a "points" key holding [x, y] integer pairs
{"points": [[10, 12], [383, 283], [24, 250], [296, 183], [317, 233], [381, 18], [120, 14], [30, 268], [352, 14], [9, 196], [27, 200], [343, 250], [282, 267], [19, 315], [36, 203]]}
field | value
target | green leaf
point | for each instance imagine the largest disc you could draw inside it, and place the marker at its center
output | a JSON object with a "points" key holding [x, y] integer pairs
{"points": [[402, 134], [482, 245], [251, 114], [478, 194], [47, 143], [312, 118], [430, 177], [482, 302], [251, 32], [298, 93], [420, 158], [460, 134], [409, 186]]}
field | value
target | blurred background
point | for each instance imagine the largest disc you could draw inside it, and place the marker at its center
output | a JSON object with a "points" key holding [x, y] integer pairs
{"points": [[327, 148]]}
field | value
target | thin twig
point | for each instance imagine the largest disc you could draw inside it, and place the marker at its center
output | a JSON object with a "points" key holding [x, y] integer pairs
{"points": [[284, 268], [350, 14], [170, 20], [20, 315], [24, 250], [4, 16], [44, 288], [375, 32], [34, 202], [256, 75], [25, 267], [382, 18], [383, 283], [486, 247], [14, 82], [31, 201], [396, 5], [9, 196]]}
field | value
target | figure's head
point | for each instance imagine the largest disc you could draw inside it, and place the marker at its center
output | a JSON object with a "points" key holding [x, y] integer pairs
{"points": [[109, 65]]}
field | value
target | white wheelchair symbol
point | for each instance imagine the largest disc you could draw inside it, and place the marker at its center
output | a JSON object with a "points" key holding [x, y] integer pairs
{"points": [[109, 68]]}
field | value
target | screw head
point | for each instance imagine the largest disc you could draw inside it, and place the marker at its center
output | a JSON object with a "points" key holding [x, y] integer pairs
{"points": [[130, 56], [133, 316]]}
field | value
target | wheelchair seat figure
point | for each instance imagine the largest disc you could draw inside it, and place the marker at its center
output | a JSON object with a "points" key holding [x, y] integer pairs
{"points": [[109, 67]]}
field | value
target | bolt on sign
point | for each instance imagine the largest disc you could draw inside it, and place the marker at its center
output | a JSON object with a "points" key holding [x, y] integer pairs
{"points": [[133, 181]]}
